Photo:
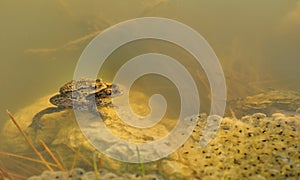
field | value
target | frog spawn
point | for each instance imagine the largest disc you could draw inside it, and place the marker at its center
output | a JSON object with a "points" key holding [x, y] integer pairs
{"points": [[81, 174], [256, 146]]}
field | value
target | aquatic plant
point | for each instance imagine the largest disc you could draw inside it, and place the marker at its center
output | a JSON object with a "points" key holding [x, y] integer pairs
{"points": [[140, 162], [29, 141], [50, 166], [95, 156]]}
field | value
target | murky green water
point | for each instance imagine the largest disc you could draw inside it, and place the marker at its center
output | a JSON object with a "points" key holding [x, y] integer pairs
{"points": [[257, 43]]}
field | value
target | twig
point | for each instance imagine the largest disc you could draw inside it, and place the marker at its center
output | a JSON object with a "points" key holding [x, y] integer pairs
{"points": [[5, 172], [232, 113], [66, 46], [27, 158], [100, 165], [80, 40], [1, 174], [16, 175], [23, 167], [59, 166], [149, 7], [29, 142], [75, 159], [42, 50], [81, 156], [64, 7], [203, 80], [60, 158]]}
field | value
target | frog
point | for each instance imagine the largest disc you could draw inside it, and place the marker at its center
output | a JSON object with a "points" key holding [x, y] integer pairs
{"points": [[84, 94]]}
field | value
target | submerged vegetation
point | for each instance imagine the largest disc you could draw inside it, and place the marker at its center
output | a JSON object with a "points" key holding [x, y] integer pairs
{"points": [[49, 166], [96, 170], [58, 169], [257, 146], [259, 138], [140, 162]]}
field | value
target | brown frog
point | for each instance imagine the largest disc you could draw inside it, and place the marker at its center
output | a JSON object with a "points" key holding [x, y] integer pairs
{"points": [[83, 94]]}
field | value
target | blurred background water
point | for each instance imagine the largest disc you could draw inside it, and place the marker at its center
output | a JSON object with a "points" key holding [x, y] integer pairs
{"points": [[257, 42]]}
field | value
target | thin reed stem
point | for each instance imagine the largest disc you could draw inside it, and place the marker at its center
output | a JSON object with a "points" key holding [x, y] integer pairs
{"points": [[59, 166], [26, 158], [29, 142], [75, 159]]}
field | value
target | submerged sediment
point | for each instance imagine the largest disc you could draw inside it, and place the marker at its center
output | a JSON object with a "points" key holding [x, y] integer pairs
{"points": [[257, 146]]}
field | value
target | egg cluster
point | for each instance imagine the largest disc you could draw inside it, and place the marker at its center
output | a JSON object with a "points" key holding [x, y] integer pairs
{"points": [[256, 147], [81, 174]]}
